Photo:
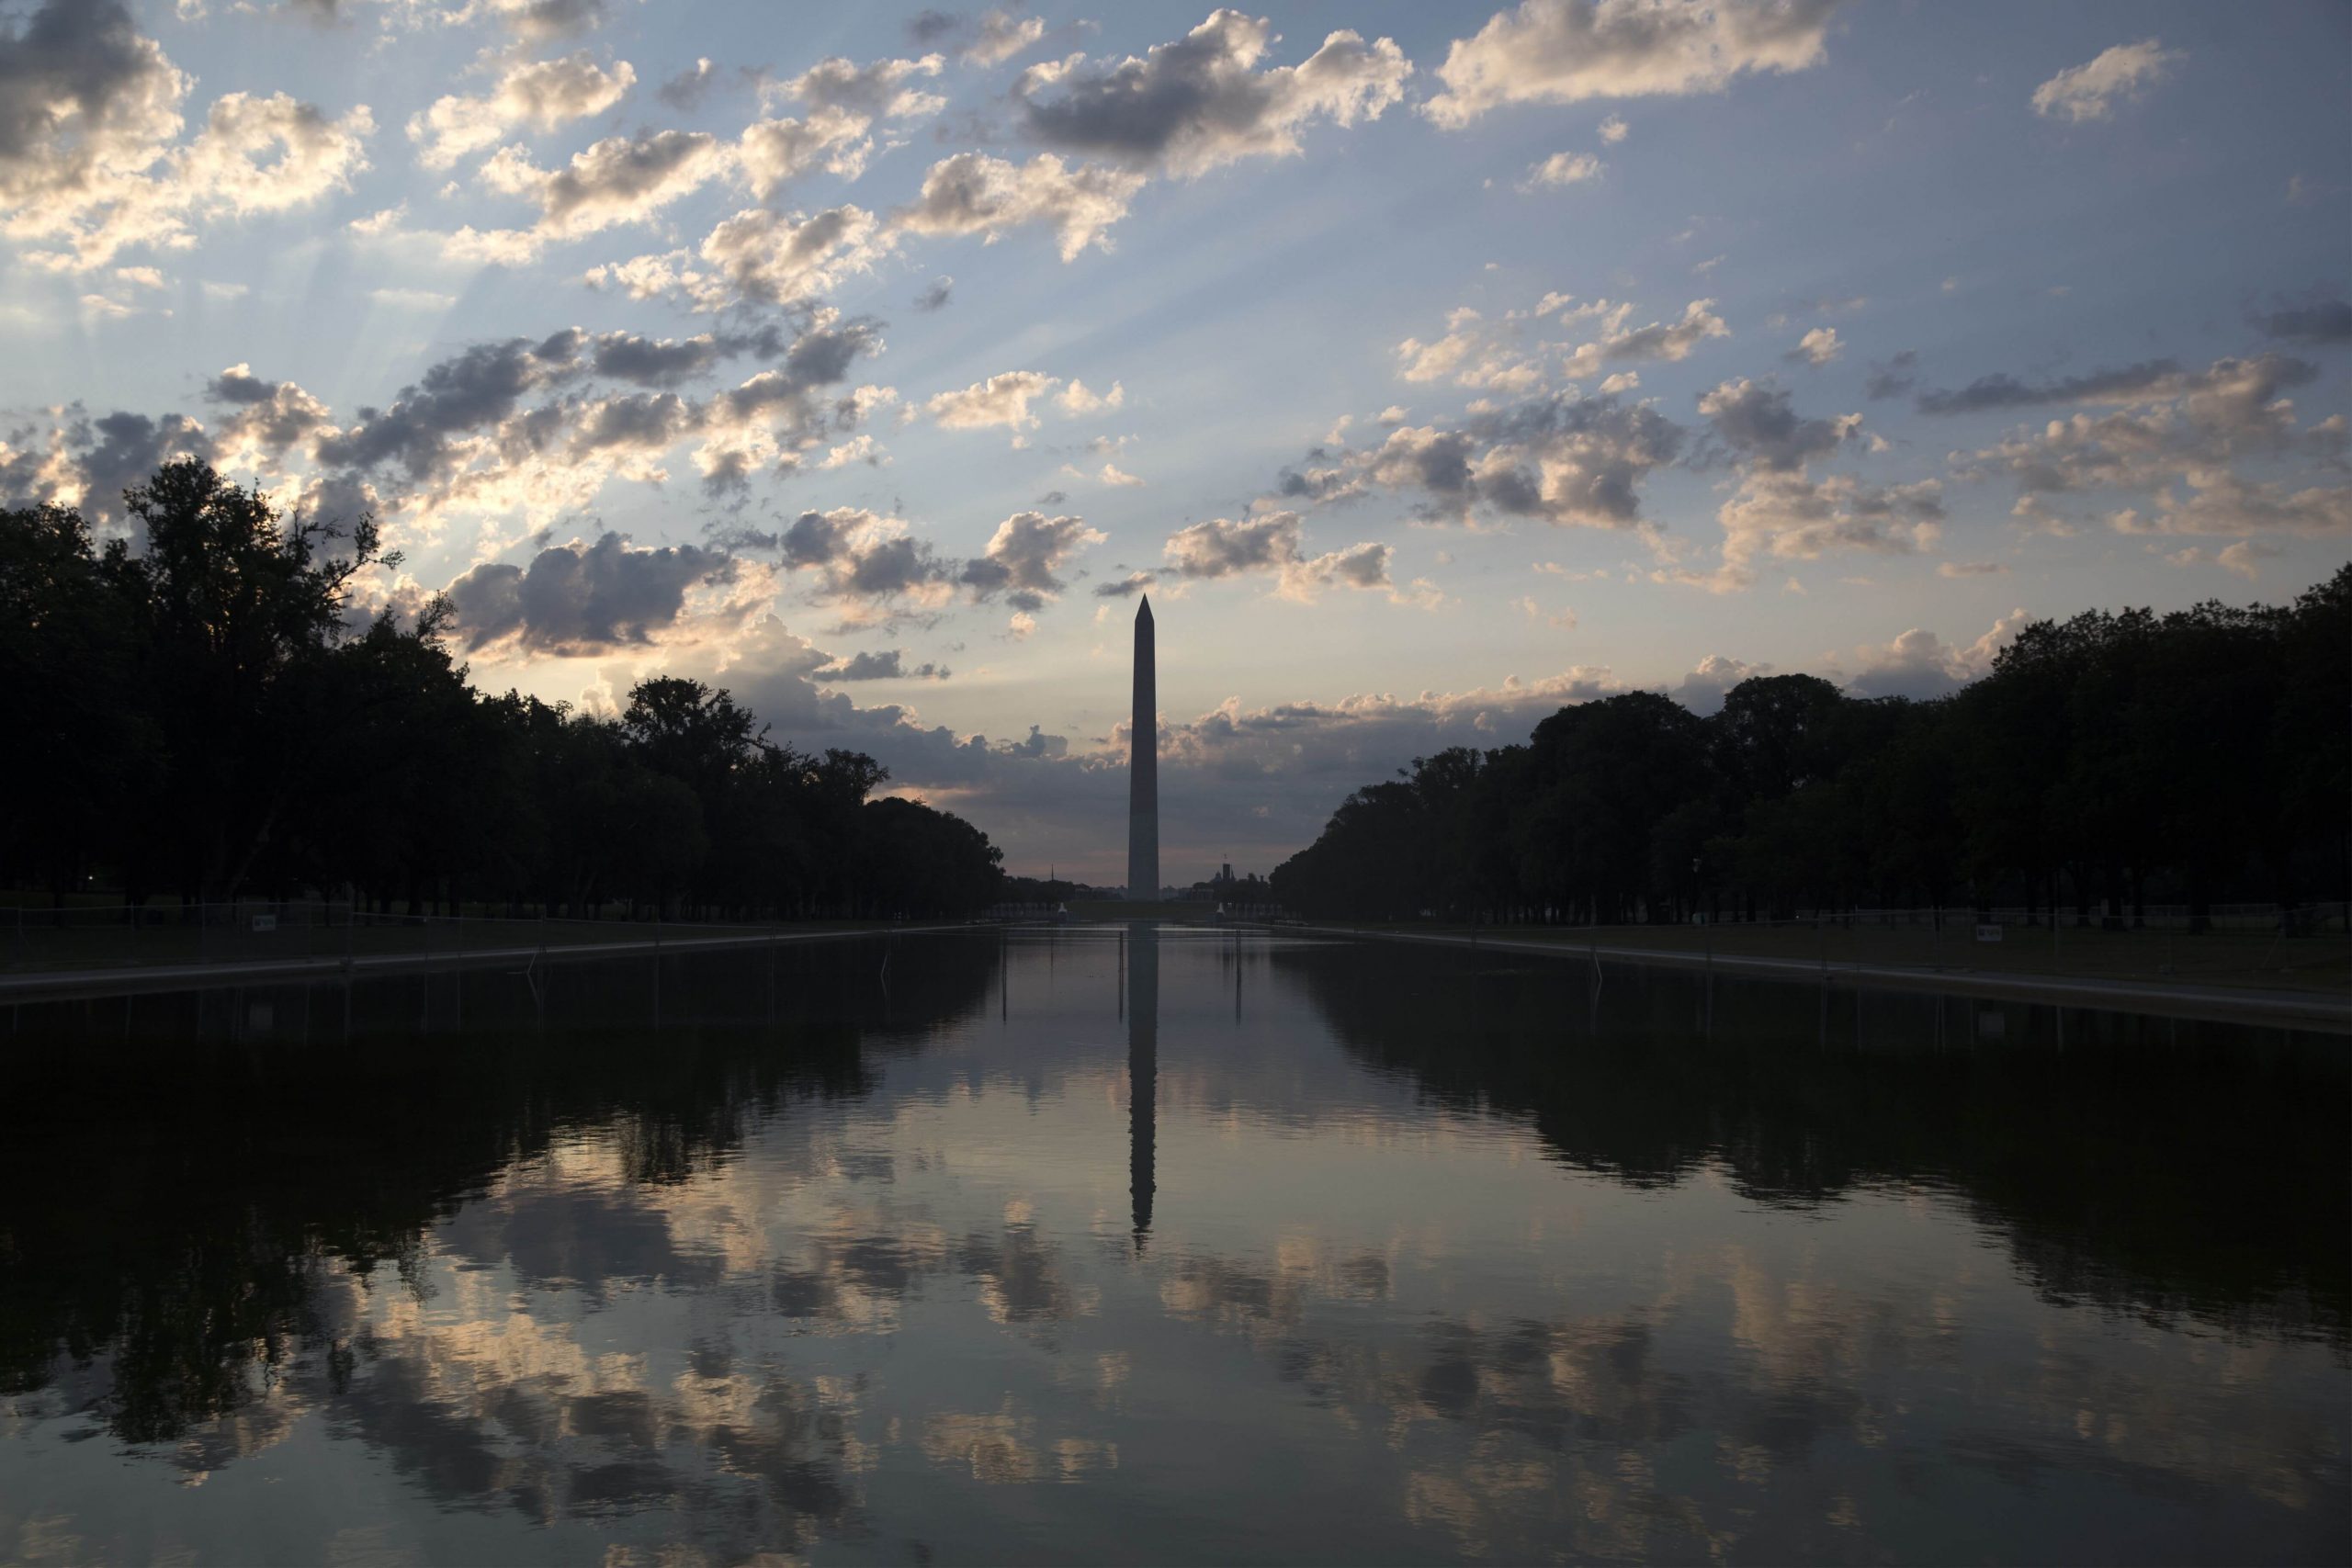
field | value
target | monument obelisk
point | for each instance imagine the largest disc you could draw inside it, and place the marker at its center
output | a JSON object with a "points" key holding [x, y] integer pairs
{"points": [[1143, 771]]}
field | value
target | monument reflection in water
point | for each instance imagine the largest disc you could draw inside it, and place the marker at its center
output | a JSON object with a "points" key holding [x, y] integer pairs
{"points": [[1359, 1254]]}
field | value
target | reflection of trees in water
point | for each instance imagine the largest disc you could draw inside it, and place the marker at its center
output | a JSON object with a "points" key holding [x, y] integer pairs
{"points": [[2151, 1166], [187, 1207]]}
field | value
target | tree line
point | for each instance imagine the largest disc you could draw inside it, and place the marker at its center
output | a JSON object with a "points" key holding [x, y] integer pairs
{"points": [[2103, 762], [202, 717]]}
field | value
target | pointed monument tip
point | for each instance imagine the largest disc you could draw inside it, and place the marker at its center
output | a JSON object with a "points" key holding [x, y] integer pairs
{"points": [[1143, 612]]}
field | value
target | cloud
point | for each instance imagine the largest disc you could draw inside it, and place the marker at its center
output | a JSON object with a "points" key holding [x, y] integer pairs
{"points": [[1557, 457], [2092, 90], [999, 36], [543, 95], [1125, 587], [659, 362], [1079, 399], [685, 91], [2178, 437], [889, 664], [1667, 341], [1817, 347], [1001, 400], [773, 152], [1760, 422], [758, 256], [578, 598], [1957, 568], [1613, 131], [1893, 378], [1113, 475], [1557, 52], [2329, 322], [1474, 352], [1199, 103], [622, 179], [873, 565], [1024, 555], [1270, 543], [90, 118], [1920, 664], [936, 295], [874, 90], [1703, 688], [1780, 510], [972, 192], [2152, 378], [477, 388], [1561, 169]]}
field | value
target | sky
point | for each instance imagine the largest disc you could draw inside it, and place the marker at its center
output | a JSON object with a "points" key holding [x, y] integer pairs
{"points": [[1428, 367]]}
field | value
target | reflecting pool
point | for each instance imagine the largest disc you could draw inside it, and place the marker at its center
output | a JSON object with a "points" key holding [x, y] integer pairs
{"points": [[1132, 1244]]}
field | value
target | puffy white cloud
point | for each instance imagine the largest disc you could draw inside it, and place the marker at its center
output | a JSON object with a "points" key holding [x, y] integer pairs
{"points": [[1201, 102], [1668, 341], [1817, 347], [771, 152], [999, 36], [90, 156], [972, 192], [543, 94], [1918, 664], [1561, 51], [1474, 352], [2092, 90], [878, 88], [1077, 398], [1002, 401], [621, 179], [1561, 169], [758, 256], [1613, 131]]}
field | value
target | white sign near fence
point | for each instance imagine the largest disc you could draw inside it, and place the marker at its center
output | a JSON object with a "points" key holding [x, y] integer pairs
{"points": [[1988, 933], [264, 922]]}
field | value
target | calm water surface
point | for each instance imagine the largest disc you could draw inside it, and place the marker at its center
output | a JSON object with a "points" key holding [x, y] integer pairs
{"points": [[1106, 1246]]}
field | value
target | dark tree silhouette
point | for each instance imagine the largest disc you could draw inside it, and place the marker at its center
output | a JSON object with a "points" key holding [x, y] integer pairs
{"points": [[2103, 760], [213, 723]]}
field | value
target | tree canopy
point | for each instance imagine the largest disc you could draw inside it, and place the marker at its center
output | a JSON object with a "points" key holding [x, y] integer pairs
{"points": [[2104, 760], [208, 719]]}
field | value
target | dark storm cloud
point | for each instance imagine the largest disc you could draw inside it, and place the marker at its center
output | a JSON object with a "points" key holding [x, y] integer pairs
{"points": [[2327, 323], [1893, 378], [124, 449], [576, 598], [476, 389]]}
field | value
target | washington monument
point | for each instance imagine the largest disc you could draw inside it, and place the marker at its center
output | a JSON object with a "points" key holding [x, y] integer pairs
{"points": [[1143, 769]]}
